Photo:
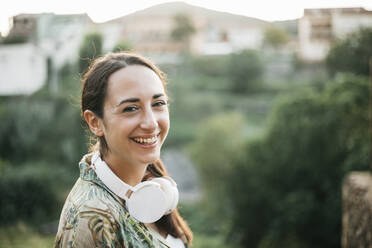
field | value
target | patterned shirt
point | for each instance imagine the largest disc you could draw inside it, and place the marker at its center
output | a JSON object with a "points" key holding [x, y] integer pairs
{"points": [[93, 216]]}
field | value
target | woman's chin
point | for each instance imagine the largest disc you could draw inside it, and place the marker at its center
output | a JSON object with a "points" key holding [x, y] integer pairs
{"points": [[149, 159]]}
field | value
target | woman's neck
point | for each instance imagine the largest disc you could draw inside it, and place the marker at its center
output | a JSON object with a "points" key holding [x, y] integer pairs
{"points": [[131, 174]]}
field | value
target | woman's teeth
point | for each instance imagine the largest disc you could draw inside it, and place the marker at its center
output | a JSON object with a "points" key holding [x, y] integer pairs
{"points": [[145, 141]]}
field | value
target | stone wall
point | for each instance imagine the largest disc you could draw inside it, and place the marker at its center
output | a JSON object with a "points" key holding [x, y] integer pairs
{"points": [[357, 210]]}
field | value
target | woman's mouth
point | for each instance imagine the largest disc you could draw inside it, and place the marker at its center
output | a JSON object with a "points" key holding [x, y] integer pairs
{"points": [[146, 141]]}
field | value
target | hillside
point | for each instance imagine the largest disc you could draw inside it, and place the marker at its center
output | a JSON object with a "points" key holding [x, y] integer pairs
{"points": [[173, 8]]}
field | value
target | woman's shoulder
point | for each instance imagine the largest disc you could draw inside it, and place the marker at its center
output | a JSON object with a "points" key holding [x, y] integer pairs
{"points": [[93, 216], [89, 192], [89, 197], [88, 218]]}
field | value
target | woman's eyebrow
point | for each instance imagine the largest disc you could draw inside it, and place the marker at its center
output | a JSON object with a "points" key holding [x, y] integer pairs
{"points": [[137, 99], [127, 100], [157, 95]]}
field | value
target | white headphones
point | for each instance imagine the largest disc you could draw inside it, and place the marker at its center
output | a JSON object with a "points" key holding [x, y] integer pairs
{"points": [[149, 201]]}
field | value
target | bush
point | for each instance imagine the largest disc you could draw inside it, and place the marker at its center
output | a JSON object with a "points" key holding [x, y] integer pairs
{"points": [[122, 45], [90, 49], [26, 195], [41, 128], [275, 37], [212, 66], [352, 54], [245, 71], [286, 192], [183, 27], [14, 39], [217, 143]]}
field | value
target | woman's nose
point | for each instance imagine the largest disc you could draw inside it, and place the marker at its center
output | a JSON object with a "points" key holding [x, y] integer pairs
{"points": [[149, 120]]}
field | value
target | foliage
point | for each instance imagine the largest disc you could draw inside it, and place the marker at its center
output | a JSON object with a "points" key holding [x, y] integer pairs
{"points": [[245, 71], [213, 66], [216, 145], [352, 54], [195, 215], [14, 39], [286, 192], [187, 107], [207, 241], [69, 83], [198, 91], [122, 45], [275, 37], [27, 196], [90, 49], [183, 28], [20, 234], [41, 128], [41, 142]]}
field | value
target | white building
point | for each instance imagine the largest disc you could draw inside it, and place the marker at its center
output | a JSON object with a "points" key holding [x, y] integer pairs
{"points": [[319, 28], [56, 38], [52, 41], [23, 69], [60, 36]]}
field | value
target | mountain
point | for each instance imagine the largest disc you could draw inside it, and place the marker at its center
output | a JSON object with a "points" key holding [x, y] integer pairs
{"points": [[173, 8]]}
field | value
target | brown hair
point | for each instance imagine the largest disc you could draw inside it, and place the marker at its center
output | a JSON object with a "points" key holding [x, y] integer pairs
{"points": [[93, 96]]}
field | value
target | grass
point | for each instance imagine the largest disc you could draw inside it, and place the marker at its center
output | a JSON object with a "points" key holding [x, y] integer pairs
{"points": [[207, 241], [21, 235]]}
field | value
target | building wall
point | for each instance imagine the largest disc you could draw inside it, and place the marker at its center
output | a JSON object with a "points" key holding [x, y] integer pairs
{"points": [[319, 28], [60, 36], [345, 24], [56, 38], [310, 48], [23, 69], [23, 25]]}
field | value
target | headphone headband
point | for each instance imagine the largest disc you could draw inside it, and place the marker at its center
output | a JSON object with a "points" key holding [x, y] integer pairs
{"points": [[112, 181]]}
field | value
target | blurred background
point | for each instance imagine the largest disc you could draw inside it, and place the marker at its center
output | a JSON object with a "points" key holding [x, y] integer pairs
{"points": [[267, 116]]}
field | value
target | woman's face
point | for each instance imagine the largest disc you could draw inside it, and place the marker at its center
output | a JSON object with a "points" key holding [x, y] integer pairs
{"points": [[136, 117]]}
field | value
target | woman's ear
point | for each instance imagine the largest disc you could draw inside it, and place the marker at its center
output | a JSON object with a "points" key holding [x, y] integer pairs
{"points": [[94, 122]]}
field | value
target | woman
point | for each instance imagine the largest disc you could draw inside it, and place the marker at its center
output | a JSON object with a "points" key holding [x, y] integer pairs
{"points": [[123, 187]]}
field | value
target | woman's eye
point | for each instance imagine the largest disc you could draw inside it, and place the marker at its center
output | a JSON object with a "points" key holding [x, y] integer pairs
{"points": [[160, 103], [130, 109]]}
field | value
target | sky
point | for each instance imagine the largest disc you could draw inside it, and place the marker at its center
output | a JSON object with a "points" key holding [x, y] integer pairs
{"points": [[104, 10]]}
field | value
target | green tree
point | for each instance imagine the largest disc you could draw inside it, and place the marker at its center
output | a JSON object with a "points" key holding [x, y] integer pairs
{"points": [[215, 66], [29, 194], [122, 45], [275, 37], [90, 49], [183, 29], [41, 142], [217, 143], [14, 39], [286, 192], [245, 71], [351, 54], [41, 128]]}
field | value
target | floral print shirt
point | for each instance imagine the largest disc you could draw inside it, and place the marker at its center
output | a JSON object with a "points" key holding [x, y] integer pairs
{"points": [[93, 216]]}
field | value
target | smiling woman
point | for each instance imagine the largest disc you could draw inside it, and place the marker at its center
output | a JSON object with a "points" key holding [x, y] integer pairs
{"points": [[124, 196]]}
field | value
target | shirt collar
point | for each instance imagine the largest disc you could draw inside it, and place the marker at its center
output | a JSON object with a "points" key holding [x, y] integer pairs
{"points": [[87, 173]]}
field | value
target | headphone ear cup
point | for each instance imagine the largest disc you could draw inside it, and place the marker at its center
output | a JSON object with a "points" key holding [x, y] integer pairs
{"points": [[175, 195], [148, 203], [175, 199], [169, 187]]}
